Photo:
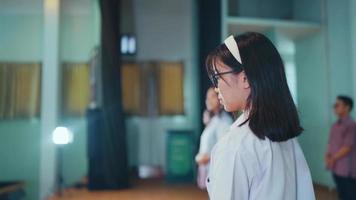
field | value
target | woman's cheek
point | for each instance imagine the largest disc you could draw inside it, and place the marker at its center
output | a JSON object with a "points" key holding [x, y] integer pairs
{"points": [[230, 102], [224, 101]]}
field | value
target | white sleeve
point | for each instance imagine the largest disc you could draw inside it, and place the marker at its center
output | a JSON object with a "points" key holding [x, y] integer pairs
{"points": [[242, 178], [229, 178], [207, 140], [305, 189]]}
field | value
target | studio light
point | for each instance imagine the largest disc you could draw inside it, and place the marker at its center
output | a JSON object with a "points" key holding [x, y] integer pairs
{"points": [[62, 136]]}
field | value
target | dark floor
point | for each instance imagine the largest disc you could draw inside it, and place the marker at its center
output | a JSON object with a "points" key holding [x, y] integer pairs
{"points": [[157, 190]]}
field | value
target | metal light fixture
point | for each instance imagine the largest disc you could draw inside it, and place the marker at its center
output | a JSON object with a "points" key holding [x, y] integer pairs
{"points": [[61, 136]]}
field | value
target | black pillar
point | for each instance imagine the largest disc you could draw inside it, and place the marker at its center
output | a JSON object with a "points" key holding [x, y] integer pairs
{"points": [[109, 158], [209, 34]]}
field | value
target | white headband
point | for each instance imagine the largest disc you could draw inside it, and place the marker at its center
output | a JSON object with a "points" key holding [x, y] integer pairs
{"points": [[233, 48]]}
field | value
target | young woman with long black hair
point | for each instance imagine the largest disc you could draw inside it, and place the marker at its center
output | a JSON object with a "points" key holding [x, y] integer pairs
{"points": [[260, 157]]}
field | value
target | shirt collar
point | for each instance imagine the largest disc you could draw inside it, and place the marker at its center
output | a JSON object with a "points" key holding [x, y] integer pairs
{"points": [[241, 119], [343, 120]]}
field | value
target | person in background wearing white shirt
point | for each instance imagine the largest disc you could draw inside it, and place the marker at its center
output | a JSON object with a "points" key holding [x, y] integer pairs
{"points": [[259, 158], [217, 122]]}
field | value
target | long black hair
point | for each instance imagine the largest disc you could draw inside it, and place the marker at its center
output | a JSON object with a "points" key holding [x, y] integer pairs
{"points": [[272, 112]]}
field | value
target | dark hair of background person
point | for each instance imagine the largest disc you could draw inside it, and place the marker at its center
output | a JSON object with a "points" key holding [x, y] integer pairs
{"points": [[346, 100]]}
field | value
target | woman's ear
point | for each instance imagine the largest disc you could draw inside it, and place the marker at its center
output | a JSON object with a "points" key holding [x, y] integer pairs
{"points": [[244, 81]]}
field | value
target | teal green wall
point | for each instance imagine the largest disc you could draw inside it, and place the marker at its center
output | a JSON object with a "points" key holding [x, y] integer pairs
{"points": [[75, 154], [339, 48], [313, 103], [324, 71], [79, 34], [19, 153], [21, 40], [155, 24], [77, 38]]}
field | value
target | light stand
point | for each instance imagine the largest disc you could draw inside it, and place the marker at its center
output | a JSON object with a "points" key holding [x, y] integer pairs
{"points": [[61, 136]]}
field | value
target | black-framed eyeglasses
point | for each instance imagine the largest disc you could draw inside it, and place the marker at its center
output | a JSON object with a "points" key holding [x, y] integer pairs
{"points": [[215, 77]]}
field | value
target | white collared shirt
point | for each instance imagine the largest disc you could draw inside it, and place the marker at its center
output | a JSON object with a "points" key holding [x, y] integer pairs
{"points": [[244, 167]]}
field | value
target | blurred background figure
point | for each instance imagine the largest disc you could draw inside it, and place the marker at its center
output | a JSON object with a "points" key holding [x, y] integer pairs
{"points": [[217, 122], [340, 157]]}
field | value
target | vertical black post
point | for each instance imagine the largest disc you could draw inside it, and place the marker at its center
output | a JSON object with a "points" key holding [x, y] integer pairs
{"points": [[209, 12], [59, 171], [114, 158]]}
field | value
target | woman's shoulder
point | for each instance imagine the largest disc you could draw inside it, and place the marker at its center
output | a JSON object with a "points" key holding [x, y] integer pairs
{"points": [[241, 140], [242, 136], [242, 147]]}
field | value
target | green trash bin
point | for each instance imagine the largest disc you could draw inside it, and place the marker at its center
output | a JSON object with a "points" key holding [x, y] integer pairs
{"points": [[179, 157]]}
